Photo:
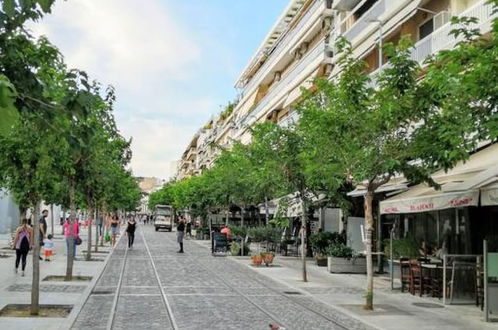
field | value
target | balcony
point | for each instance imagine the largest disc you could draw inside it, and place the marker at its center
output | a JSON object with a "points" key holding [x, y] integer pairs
{"points": [[317, 54], [192, 152], [365, 20], [290, 120], [273, 58], [440, 39]]}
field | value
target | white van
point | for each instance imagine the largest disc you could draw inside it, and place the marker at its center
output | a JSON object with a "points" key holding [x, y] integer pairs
{"points": [[163, 217]]}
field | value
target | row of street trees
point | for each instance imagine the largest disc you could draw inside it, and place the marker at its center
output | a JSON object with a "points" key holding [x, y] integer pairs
{"points": [[58, 138], [354, 130]]}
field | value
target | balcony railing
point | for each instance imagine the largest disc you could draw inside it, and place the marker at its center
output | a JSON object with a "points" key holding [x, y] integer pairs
{"points": [[312, 55], [291, 119], [441, 39], [270, 62], [366, 19]]}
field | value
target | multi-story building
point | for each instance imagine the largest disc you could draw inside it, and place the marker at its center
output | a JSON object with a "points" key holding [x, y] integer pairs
{"points": [[300, 48]]}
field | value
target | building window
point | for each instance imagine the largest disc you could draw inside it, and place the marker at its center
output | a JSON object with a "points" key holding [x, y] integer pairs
{"points": [[426, 29]]}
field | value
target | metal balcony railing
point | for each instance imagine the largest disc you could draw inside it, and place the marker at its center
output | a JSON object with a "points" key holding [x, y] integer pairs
{"points": [[270, 62], [366, 19], [312, 55], [441, 39]]}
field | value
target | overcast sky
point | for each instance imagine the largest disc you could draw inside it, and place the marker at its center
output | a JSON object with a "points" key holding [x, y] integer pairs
{"points": [[173, 62]]}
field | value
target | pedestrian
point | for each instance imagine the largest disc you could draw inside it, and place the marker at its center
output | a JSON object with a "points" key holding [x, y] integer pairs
{"points": [[23, 241], [43, 228], [226, 230], [48, 246], [100, 223], [180, 233], [189, 228], [74, 234], [114, 228], [130, 231]]}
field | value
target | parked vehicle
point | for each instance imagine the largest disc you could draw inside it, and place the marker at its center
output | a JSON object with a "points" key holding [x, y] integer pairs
{"points": [[163, 217]]}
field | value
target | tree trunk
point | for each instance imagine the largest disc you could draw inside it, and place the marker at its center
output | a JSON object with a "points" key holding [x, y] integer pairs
{"points": [[303, 239], [89, 238], [226, 217], [267, 212], [97, 229], [52, 219], [35, 284], [70, 244], [368, 232]]}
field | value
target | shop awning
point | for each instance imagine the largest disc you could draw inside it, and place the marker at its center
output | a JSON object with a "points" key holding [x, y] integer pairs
{"points": [[460, 187]]}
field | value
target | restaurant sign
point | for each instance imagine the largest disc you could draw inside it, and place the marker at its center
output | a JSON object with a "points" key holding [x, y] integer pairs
{"points": [[429, 203]]}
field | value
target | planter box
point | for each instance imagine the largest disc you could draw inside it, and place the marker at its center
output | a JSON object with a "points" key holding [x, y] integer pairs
{"points": [[321, 262], [343, 265]]}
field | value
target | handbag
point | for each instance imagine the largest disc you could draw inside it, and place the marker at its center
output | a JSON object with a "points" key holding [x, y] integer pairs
{"points": [[107, 237], [77, 240]]}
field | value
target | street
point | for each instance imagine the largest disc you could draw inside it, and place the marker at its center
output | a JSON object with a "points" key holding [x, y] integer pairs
{"points": [[151, 286]]}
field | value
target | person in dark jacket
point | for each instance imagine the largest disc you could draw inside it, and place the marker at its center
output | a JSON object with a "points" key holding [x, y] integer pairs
{"points": [[180, 233], [130, 231]]}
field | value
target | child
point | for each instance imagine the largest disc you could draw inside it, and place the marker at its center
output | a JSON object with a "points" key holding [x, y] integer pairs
{"points": [[48, 245]]}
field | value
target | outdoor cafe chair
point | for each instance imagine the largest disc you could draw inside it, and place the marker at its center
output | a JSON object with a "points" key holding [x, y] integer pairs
{"points": [[416, 280], [404, 267]]}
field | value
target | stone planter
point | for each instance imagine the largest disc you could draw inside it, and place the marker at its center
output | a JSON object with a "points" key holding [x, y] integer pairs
{"points": [[343, 265], [321, 261]]}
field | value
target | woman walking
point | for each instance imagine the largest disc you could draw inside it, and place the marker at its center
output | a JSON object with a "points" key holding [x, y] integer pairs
{"points": [[130, 231], [74, 234], [114, 229], [23, 241]]}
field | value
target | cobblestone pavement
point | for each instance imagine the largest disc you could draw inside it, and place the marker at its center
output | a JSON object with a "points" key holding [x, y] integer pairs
{"points": [[199, 291]]}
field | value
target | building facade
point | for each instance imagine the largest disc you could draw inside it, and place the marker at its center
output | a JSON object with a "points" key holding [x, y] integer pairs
{"points": [[301, 47]]}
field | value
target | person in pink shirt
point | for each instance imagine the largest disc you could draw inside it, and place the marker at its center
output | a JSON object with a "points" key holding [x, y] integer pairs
{"points": [[226, 230], [75, 233]]}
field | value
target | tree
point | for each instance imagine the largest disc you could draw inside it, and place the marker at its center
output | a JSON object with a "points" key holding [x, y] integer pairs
{"points": [[366, 135]]}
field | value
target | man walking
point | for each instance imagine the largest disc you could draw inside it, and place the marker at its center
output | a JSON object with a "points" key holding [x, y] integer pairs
{"points": [[43, 228], [180, 233]]}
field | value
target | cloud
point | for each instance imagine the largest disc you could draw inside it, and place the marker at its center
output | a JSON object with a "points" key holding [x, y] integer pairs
{"points": [[154, 62], [123, 41], [155, 145]]}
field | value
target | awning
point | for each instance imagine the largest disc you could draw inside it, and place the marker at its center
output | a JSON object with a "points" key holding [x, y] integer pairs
{"points": [[489, 195], [460, 187], [295, 94], [432, 202]]}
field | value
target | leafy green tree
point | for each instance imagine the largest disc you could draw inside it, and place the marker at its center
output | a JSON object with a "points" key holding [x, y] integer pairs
{"points": [[366, 135]]}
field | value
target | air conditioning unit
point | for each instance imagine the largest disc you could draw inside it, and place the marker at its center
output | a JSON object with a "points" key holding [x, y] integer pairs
{"points": [[441, 19], [277, 76]]}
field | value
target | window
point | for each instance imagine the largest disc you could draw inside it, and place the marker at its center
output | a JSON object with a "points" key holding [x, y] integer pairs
{"points": [[426, 29]]}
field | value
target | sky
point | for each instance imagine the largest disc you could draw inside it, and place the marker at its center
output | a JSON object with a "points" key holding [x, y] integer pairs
{"points": [[173, 62]]}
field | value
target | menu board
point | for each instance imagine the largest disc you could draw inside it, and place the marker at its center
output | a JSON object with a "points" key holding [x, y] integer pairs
{"points": [[493, 266]]}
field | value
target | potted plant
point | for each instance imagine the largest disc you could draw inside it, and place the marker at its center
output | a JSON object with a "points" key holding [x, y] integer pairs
{"points": [[267, 258], [342, 259], [320, 242], [256, 260], [235, 249]]}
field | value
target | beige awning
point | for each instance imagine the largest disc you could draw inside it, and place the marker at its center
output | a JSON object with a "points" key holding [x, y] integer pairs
{"points": [[460, 187]]}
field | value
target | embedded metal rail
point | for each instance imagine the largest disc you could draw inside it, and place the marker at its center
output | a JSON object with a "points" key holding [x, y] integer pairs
{"points": [[275, 319], [163, 294]]}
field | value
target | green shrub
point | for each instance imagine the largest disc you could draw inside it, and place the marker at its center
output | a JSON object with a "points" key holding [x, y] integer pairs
{"points": [[402, 248], [340, 251], [321, 241]]}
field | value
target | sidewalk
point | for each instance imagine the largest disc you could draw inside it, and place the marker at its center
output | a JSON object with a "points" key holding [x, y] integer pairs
{"points": [[15, 289], [392, 309]]}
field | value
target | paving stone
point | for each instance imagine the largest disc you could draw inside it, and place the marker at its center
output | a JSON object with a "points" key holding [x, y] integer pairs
{"points": [[49, 288], [95, 313]]}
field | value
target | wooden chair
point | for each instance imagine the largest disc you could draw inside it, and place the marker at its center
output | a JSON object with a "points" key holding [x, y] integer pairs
{"points": [[416, 279], [404, 270]]}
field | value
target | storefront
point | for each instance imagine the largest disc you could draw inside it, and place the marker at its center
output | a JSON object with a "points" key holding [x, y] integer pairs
{"points": [[455, 218]]}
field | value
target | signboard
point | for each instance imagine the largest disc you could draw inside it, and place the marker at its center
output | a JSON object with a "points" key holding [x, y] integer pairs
{"points": [[430, 203]]}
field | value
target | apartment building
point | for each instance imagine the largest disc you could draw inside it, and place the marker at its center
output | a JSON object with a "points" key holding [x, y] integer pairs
{"points": [[368, 24], [300, 48]]}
